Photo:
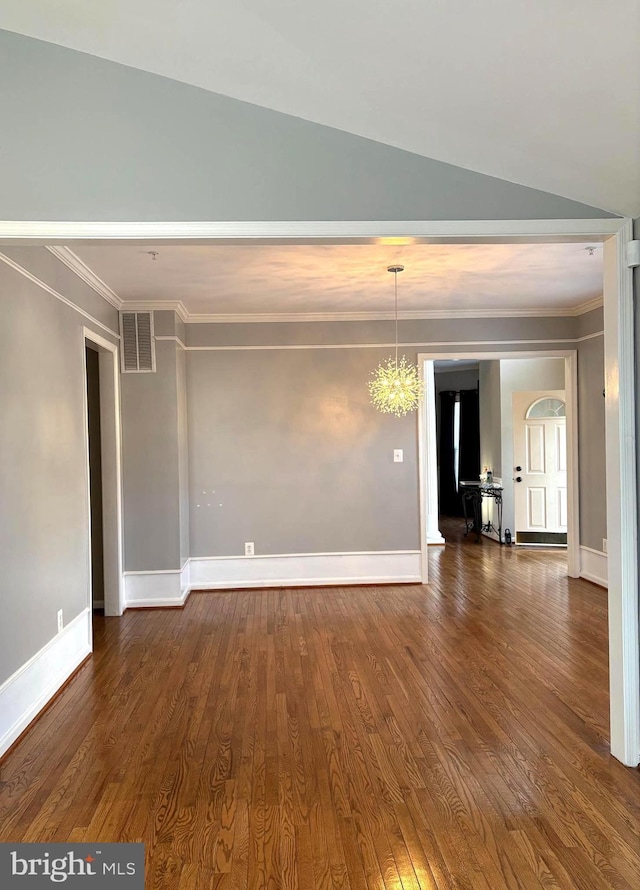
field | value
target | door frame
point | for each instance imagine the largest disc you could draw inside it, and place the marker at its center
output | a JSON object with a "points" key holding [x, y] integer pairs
{"points": [[111, 449], [614, 234], [427, 456]]}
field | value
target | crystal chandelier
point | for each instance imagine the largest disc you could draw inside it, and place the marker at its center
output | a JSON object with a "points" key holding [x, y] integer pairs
{"points": [[396, 387]]}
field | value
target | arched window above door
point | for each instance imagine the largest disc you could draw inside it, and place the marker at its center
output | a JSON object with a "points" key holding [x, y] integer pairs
{"points": [[547, 408]]}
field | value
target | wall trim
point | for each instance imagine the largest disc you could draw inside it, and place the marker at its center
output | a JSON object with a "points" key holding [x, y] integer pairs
{"points": [[594, 566], [32, 686], [622, 521], [171, 587], [406, 315], [433, 344], [169, 337], [290, 231], [303, 555], [148, 590], [54, 293], [305, 569], [443, 344], [73, 262]]}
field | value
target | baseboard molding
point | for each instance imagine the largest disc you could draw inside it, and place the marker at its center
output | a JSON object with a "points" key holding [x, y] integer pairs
{"points": [[152, 590], [32, 686], [305, 569], [594, 566]]}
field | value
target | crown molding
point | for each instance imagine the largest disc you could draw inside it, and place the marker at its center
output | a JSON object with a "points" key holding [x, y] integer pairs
{"points": [[54, 293], [589, 306], [407, 315], [176, 306], [73, 262]]}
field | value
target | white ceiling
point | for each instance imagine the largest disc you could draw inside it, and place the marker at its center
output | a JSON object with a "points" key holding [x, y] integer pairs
{"points": [[544, 93], [295, 280]]}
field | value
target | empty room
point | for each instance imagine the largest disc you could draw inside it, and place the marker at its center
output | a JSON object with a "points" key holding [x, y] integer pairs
{"points": [[279, 372]]}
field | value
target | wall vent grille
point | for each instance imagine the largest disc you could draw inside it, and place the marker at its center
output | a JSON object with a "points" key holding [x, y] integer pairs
{"points": [[138, 345]]}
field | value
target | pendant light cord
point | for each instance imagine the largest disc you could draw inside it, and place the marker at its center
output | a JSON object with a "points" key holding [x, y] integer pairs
{"points": [[395, 276]]}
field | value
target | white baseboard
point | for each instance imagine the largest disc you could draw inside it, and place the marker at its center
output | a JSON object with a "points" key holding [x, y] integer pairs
{"points": [[171, 588], [150, 590], [26, 692], [594, 566], [305, 569], [185, 578]]}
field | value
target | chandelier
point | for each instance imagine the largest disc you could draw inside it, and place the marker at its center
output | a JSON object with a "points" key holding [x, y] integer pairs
{"points": [[396, 387]]}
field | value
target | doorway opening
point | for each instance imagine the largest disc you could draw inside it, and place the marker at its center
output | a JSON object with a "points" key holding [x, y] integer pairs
{"points": [[103, 474], [496, 440], [92, 358]]}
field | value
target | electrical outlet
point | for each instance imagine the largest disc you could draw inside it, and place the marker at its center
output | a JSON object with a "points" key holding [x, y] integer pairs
{"points": [[60, 620], [248, 549], [398, 456], [604, 545]]}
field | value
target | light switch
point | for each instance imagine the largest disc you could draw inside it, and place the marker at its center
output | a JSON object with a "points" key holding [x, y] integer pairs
{"points": [[398, 456]]}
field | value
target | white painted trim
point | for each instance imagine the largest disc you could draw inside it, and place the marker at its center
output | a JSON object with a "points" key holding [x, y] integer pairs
{"points": [[171, 587], [154, 589], [176, 306], [427, 471], [593, 566], [170, 337], [111, 448], [73, 262], [54, 293], [445, 345], [33, 685], [573, 464], [403, 315], [185, 579], [589, 306], [311, 569], [621, 390], [303, 555], [288, 231], [589, 336]]}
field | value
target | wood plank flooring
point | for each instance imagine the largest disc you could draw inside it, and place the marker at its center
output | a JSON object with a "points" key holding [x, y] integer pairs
{"points": [[371, 738]]}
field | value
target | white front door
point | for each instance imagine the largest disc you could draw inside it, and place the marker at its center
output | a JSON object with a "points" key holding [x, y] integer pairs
{"points": [[540, 466]]}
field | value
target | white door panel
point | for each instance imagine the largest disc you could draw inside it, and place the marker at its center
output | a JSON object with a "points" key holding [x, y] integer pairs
{"points": [[535, 462], [540, 449], [537, 508]]}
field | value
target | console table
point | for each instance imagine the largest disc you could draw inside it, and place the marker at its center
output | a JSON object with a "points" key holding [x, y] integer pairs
{"points": [[472, 494]]}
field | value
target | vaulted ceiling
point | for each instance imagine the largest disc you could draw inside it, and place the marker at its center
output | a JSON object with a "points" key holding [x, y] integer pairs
{"points": [[545, 93]]}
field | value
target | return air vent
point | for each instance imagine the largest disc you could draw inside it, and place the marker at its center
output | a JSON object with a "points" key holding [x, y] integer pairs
{"points": [[138, 347]]}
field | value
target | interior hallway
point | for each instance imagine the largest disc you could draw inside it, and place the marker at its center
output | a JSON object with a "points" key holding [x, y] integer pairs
{"points": [[449, 736]]}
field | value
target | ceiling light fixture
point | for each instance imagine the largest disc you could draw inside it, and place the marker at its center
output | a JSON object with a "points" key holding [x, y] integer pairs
{"points": [[396, 387]]}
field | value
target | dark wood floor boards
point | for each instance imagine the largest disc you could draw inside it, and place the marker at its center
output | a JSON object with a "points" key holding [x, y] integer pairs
{"points": [[449, 737]]}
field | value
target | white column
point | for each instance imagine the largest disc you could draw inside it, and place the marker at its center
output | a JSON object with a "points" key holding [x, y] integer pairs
{"points": [[433, 532]]}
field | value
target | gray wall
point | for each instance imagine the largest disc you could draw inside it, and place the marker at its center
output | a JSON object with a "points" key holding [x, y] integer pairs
{"points": [[286, 451], [122, 144], [44, 546], [150, 454], [183, 454], [591, 443], [490, 402]]}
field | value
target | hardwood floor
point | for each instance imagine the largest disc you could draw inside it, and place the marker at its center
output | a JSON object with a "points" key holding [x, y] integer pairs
{"points": [[449, 736]]}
